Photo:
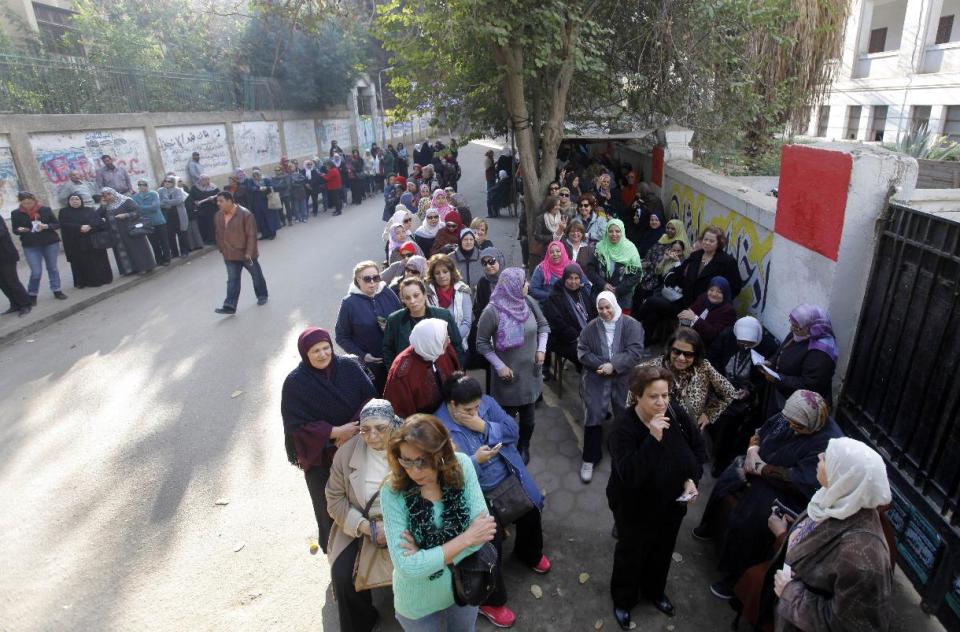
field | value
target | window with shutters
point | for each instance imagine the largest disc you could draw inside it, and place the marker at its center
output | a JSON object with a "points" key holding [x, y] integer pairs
{"points": [[878, 39], [944, 29], [57, 31]]}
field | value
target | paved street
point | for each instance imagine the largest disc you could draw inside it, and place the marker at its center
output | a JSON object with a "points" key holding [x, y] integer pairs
{"points": [[122, 426]]}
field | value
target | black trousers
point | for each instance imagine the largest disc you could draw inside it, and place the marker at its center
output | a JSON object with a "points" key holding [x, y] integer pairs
{"points": [[525, 418], [654, 311], [317, 477], [174, 235], [11, 286], [160, 242], [592, 444], [527, 548], [641, 559], [356, 610], [313, 195]]}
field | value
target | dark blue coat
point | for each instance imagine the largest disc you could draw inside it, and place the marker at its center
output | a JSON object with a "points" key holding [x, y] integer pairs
{"points": [[359, 329]]}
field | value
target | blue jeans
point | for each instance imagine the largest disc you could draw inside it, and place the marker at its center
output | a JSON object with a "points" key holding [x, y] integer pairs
{"points": [[36, 256], [300, 209], [234, 270], [457, 620]]}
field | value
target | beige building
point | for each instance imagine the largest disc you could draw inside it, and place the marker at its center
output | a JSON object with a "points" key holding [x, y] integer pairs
{"points": [[50, 19]]}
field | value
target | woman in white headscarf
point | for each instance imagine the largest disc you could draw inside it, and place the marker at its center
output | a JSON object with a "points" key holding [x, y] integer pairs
{"points": [[131, 250], [609, 347], [418, 372], [835, 571]]}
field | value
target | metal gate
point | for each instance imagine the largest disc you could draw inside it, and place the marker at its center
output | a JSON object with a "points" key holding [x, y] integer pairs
{"points": [[902, 395]]}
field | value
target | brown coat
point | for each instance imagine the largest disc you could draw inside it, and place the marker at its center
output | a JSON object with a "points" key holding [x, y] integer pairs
{"points": [[238, 239], [842, 578]]}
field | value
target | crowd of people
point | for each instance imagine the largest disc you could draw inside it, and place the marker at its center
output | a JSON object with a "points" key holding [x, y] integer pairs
{"points": [[416, 468]]}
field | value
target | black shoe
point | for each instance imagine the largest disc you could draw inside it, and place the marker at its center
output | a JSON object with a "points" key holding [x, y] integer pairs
{"points": [[623, 618], [336, 213], [701, 533], [262, 301], [723, 589], [33, 301], [25, 310], [664, 605], [60, 295], [12, 310], [225, 310]]}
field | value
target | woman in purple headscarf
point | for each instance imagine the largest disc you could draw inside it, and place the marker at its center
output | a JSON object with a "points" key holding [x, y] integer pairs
{"points": [[806, 360], [512, 335]]}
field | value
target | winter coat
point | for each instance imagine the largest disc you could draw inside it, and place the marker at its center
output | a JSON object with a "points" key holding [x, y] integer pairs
{"points": [[694, 282], [564, 327], [800, 368], [719, 318], [471, 271], [461, 308], [362, 320], [412, 385], [598, 391], [47, 236], [396, 336]]}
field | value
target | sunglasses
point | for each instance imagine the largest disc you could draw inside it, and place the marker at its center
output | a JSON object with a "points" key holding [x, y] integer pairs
{"points": [[381, 429], [587, 205], [413, 270], [413, 464], [374, 278], [564, 195], [680, 352], [487, 261], [554, 189]]}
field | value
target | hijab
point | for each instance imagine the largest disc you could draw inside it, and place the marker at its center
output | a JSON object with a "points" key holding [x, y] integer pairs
{"points": [[575, 298], [452, 216], [679, 234], [650, 236], [310, 337], [399, 214], [418, 262], [428, 338], [857, 478], [210, 185], [724, 286], [427, 231], [806, 408], [748, 329], [512, 309], [611, 298], [496, 254], [623, 252], [118, 199], [553, 271], [466, 253], [380, 409], [816, 321], [445, 208], [394, 242]]}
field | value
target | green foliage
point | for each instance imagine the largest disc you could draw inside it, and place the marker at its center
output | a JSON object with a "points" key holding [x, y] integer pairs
{"points": [[925, 145]]}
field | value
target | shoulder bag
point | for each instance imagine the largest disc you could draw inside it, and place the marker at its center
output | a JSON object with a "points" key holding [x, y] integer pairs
{"points": [[475, 576], [102, 239], [509, 499], [140, 229], [373, 567]]}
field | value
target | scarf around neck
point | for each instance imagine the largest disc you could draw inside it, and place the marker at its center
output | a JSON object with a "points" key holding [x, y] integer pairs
{"points": [[454, 518]]}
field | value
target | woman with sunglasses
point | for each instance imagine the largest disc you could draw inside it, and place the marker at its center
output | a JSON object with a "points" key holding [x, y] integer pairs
{"points": [[427, 232], [435, 515], [363, 317], [359, 469], [594, 224], [698, 387], [447, 239], [567, 208], [409, 267]]}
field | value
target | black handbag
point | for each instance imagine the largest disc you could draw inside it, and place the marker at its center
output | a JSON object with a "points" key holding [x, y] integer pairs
{"points": [[102, 239], [475, 576], [509, 499], [140, 229]]}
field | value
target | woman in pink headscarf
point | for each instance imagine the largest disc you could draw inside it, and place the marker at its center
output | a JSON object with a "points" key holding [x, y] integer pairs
{"points": [[442, 204], [549, 271]]}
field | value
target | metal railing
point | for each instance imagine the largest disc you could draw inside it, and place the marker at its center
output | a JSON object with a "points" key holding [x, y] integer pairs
{"points": [[49, 85]]}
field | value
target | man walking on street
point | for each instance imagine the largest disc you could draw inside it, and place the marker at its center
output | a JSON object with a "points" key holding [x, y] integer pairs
{"points": [[194, 170], [236, 231], [112, 176]]}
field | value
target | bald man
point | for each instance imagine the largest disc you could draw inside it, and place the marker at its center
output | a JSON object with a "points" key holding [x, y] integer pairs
{"points": [[76, 185]]}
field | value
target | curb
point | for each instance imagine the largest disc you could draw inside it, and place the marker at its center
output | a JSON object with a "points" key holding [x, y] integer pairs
{"points": [[82, 304]]}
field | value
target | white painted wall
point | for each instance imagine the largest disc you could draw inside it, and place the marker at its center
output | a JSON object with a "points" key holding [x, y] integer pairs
{"points": [[177, 144], [334, 129], [256, 144], [300, 139], [890, 15]]}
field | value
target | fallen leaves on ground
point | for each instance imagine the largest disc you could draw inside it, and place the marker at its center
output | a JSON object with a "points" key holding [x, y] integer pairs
{"points": [[584, 577], [536, 591], [236, 394]]}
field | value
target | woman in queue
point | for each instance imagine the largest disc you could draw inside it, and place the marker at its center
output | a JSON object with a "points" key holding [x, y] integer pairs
{"points": [[512, 335], [549, 271], [131, 251], [609, 347], [493, 263], [427, 232], [568, 310], [89, 264], [37, 227], [448, 239], [712, 312], [618, 265], [409, 267], [446, 289], [467, 258], [416, 376], [150, 211], [435, 515], [481, 428], [396, 335], [357, 549], [362, 318], [656, 457], [320, 401]]}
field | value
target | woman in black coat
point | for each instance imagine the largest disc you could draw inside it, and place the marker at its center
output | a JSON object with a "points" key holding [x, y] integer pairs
{"points": [[656, 456], [9, 281], [692, 277], [78, 224], [568, 310]]}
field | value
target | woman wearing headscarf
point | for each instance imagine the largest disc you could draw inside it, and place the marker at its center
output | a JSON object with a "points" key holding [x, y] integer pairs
{"points": [[840, 575], [396, 335], [403, 161], [427, 232], [807, 358], [493, 263], [403, 216], [441, 202], [362, 318], [203, 194], [90, 265], [467, 258], [654, 227], [320, 402], [549, 271], [355, 176], [712, 312], [37, 227], [618, 264], [152, 214], [415, 380], [423, 195], [173, 202], [512, 335], [446, 289], [409, 197], [412, 267], [237, 186], [131, 252], [608, 348], [659, 262], [568, 309], [479, 427], [447, 239], [357, 551], [780, 464], [258, 189]]}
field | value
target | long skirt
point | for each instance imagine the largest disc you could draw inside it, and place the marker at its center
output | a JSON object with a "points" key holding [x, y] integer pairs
{"points": [[91, 268]]}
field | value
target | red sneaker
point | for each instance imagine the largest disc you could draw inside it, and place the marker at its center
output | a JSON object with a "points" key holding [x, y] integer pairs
{"points": [[542, 566], [500, 616]]}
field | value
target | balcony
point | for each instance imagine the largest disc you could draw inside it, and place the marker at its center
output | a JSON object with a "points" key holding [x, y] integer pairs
{"points": [[876, 65], [941, 58]]}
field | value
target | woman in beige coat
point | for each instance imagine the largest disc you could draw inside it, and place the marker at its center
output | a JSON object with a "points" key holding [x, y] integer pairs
{"points": [[353, 500]]}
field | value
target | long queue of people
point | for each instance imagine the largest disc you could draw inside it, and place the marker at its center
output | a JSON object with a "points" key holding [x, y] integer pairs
{"points": [[413, 467]]}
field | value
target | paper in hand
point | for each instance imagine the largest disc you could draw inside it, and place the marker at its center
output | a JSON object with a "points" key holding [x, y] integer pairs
{"points": [[769, 371], [756, 357]]}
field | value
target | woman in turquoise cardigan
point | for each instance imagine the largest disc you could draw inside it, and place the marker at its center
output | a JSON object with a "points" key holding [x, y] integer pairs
{"points": [[434, 515]]}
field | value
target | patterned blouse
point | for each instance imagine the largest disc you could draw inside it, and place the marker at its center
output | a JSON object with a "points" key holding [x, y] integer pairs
{"points": [[700, 389]]}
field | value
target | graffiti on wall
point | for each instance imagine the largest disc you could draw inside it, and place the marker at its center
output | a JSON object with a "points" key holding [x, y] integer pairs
{"points": [[257, 143], [177, 144], [9, 178], [750, 245], [58, 154], [300, 138], [366, 131], [334, 129]]}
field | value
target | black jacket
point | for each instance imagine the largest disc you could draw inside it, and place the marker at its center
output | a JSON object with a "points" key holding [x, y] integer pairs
{"points": [[564, 326], [695, 282], [47, 236], [8, 251], [801, 368]]}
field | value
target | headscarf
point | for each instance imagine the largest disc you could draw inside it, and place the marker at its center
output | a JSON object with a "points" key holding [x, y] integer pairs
{"points": [[118, 198], [394, 244], [553, 271], [629, 191], [748, 329], [624, 252], [310, 337], [408, 247], [650, 236], [428, 338], [724, 285], [502, 175], [380, 409], [466, 253], [512, 309], [611, 298], [496, 254], [399, 214], [418, 262], [445, 209], [856, 477], [680, 234], [806, 408], [452, 216], [240, 175], [427, 231], [575, 298], [816, 321], [210, 184]]}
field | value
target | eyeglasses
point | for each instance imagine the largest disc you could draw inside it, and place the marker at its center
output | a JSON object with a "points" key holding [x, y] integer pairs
{"points": [[585, 205], [408, 220], [682, 353], [381, 429], [487, 261], [564, 195], [413, 464], [374, 278]]}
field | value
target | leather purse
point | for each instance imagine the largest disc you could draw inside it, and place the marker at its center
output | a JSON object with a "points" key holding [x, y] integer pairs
{"points": [[101, 239], [509, 499], [373, 567], [475, 576]]}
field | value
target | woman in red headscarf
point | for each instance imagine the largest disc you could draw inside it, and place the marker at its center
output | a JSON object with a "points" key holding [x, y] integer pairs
{"points": [[448, 238]]}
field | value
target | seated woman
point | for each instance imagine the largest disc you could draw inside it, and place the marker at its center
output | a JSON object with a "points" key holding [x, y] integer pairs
{"points": [[780, 464], [699, 389], [609, 347], [592, 218], [568, 310], [655, 270], [427, 233], [467, 259], [712, 312], [548, 272], [618, 265], [578, 249], [693, 277], [446, 290], [807, 358], [656, 457], [448, 239], [396, 335], [359, 468], [413, 383], [435, 515], [481, 428]]}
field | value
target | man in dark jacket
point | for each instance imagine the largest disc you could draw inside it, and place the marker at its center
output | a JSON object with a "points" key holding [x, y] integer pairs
{"points": [[237, 240], [9, 281]]}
